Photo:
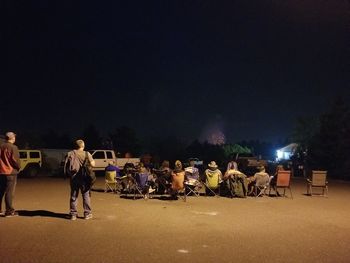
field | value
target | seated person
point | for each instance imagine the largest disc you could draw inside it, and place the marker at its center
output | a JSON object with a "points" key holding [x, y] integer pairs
{"points": [[233, 177], [150, 179], [163, 176], [213, 176], [192, 173], [177, 179], [273, 178], [192, 176], [232, 170], [260, 178], [111, 167]]}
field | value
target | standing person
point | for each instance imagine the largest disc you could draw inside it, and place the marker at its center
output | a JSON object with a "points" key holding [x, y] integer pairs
{"points": [[9, 168], [79, 180]]}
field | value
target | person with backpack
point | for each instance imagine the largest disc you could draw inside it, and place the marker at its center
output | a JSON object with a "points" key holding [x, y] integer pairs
{"points": [[77, 166]]}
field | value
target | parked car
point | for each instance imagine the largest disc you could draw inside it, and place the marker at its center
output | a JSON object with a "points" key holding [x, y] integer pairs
{"points": [[30, 161]]}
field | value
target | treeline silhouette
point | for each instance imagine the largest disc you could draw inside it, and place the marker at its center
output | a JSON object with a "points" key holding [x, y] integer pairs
{"points": [[324, 143]]}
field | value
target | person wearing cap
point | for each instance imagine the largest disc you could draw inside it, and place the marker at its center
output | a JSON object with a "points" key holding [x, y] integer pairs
{"points": [[9, 168]]}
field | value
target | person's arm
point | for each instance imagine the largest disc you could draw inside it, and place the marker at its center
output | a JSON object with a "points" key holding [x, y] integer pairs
{"points": [[91, 160], [14, 158]]}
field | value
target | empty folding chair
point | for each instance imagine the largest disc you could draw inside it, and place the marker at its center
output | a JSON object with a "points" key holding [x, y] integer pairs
{"points": [[318, 180]]}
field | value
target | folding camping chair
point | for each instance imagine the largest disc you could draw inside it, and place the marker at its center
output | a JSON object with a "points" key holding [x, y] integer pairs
{"points": [[318, 180], [178, 186], [261, 186], [140, 186], [111, 181], [283, 181], [192, 183], [212, 184], [192, 187]]}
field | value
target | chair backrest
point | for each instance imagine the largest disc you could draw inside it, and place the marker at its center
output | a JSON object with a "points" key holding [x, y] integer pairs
{"points": [[262, 180], [110, 176], [212, 180], [192, 173], [177, 180], [141, 179], [319, 178], [283, 178]]}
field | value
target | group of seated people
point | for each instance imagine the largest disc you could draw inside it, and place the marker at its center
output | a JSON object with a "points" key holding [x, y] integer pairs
{"points": [[170, 181]]}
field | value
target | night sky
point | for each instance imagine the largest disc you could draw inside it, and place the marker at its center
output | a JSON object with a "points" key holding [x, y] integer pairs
{"points": [[183, 67]]}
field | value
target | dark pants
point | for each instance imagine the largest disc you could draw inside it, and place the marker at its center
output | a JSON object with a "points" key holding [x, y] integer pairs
{"points": [[7, 189], [82, 186]]}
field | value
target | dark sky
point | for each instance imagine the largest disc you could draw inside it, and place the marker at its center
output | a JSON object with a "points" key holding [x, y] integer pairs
{"points": [[184, 67]]}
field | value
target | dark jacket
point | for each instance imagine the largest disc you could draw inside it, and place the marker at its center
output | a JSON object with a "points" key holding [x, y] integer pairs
{"points": [[9, 159]]}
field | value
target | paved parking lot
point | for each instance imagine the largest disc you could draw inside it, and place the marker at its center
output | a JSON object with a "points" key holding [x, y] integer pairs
{"points": [[204, 229]]}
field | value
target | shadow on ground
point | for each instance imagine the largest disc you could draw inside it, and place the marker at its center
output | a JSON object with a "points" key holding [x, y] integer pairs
{"points": [[42, 213]]}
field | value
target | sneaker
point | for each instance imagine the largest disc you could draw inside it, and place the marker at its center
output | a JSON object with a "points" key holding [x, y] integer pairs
{"points": [[2, 213], [151, 190], [73, 217], [11, 214], [87, 217]]}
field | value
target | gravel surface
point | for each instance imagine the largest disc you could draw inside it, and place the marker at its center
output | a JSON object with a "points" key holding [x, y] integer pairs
{"points": [[203, 229]]}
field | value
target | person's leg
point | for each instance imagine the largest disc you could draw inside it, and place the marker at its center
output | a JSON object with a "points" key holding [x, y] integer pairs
{"points": [[3, 183], [85, 191], [10, 193], [74, 192]]}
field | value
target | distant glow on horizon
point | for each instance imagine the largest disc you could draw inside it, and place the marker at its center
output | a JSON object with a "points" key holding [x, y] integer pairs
{"points": [[217, 137], [213, 134]]}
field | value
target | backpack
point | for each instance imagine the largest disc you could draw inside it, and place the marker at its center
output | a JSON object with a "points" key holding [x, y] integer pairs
{"points": [[87, 171], [72, 164]]}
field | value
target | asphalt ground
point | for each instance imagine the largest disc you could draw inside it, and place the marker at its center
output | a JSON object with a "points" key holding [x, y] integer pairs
{"points": [[203, 229]]}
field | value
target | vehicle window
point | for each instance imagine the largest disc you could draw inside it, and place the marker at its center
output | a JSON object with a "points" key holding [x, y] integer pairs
{"points": [[23, 155], [34, 155], [109, 155], [99, 155]]}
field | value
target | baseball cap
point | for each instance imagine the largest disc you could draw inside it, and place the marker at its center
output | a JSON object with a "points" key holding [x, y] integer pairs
{"points": [[10, 135]]}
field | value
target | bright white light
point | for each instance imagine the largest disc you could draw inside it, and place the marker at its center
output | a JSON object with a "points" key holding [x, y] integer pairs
{"points": [[279, 154], [283, 155]]}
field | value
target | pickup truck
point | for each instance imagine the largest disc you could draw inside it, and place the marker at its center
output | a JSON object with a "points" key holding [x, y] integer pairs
{"points": [[103, 157]]}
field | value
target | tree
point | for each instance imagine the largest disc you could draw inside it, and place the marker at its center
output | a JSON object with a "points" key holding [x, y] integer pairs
{"points": [[53, 140], [124, 141], [305, 130], [92, 138], [330, 147]]}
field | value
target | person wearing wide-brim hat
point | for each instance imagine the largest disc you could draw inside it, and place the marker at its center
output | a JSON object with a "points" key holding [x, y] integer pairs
{"points": [[212, 165], [213, 176]]}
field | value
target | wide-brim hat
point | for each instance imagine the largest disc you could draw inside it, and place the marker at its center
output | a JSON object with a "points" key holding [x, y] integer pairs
{"points": [[212, 164]]}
